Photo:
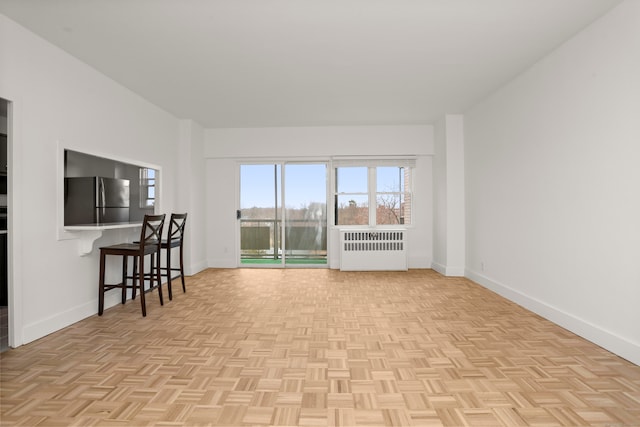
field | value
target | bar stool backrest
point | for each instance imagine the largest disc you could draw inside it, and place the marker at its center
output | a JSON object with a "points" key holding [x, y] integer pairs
{"points": [[176, 226], [151, 234]]}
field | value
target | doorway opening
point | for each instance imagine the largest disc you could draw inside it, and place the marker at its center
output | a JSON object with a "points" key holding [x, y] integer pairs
{"points": [[4, 233]]}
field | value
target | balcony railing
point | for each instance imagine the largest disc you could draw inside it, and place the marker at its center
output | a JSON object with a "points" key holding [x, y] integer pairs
{"points": [[303, 240]]}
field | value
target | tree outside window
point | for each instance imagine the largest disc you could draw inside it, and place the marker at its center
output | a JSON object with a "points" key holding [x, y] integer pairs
{"points": [[388, 188]]}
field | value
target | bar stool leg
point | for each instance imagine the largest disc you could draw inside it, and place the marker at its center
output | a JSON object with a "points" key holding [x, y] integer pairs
{"points": [[155, 259], [168, 270], [182, 269], [135, 273], [140, 278], [101, 285], [124, 278]]}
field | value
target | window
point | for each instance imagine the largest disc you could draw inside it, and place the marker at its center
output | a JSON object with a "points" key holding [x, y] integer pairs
{"points": [[147, 187], [391, 196], [352, 196], [357, 188]]}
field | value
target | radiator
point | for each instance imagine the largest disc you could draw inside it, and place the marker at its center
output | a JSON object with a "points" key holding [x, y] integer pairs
{"points": [[366, 250]]}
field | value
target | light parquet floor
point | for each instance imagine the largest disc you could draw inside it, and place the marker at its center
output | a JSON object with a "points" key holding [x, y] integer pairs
{"points": [[316, 348]]}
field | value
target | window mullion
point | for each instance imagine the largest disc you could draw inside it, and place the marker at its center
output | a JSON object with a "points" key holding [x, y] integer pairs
{"points": [[373, 202]]}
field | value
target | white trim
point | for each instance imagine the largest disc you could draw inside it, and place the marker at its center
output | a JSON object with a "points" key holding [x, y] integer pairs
{"points": [[62, 320], [15, 209], [419, 262], [440, 268], [448, 271], [43, 327], [223, 263], [594, 333], [195, 267]]}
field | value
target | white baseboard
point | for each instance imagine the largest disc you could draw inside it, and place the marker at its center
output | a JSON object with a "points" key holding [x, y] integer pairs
{"points": [[195, 267], [440, 268], [448, 271], [58, 321], [594, 333], [222, 263], [419, 262]]}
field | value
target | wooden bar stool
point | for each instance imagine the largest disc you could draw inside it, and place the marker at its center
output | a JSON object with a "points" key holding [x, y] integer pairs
{"points": [[175, 239], [149, 244]]}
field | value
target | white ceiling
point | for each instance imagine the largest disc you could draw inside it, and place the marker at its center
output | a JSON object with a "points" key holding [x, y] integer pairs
{"points": [[247, 63]]}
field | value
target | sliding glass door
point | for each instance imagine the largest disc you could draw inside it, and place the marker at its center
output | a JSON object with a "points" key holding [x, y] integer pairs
{"points": [[305, 211], [260, 213], [283, 214]]}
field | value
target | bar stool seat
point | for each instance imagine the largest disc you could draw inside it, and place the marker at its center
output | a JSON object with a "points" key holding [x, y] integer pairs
{"points": [[149, 244]]}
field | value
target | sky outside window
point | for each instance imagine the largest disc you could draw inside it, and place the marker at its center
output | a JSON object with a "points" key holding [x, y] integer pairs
{"points": [[304, 184]]}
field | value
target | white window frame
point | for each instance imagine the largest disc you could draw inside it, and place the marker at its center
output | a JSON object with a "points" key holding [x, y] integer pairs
{"points": [[147, 202], [372, 165]]}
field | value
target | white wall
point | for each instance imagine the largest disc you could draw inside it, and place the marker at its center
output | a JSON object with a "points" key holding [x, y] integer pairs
{"points": [[226, 148], [553, 185], [440, 197], [60, 101], [190, 194], [449, 211]]}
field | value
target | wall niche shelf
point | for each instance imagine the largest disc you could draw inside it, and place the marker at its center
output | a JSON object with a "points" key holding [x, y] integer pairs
{"points": [[88, 234], [74, 162]]}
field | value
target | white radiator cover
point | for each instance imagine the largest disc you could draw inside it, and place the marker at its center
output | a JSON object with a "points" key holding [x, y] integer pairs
{"points": [[375, 249]]}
